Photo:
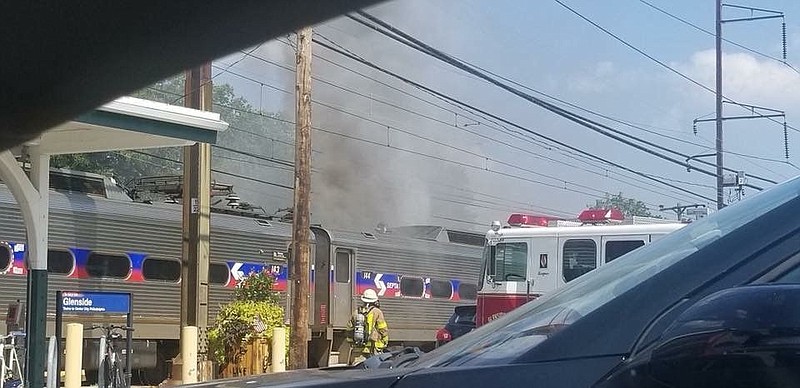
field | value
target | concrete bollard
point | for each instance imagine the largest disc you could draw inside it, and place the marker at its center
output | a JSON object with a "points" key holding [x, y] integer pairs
{"points": [[189, 355], [278, 349], [74, 356]]}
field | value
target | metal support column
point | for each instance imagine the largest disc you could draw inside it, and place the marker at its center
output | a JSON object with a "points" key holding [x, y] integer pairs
{"points": [[36, 326], [720, 196]]}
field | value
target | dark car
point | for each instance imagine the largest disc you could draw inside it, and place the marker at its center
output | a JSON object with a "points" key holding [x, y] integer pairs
{"points": [[715, 304], [461, 322]]}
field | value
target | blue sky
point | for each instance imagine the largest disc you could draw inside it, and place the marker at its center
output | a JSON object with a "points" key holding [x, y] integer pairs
{"points": [[546, 47]]}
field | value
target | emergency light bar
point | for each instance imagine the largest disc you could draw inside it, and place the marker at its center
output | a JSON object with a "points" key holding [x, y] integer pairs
{"points": [[527, 220], [595, 216]]}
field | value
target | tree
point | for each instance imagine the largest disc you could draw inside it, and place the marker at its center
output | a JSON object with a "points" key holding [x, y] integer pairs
{"points": [[629, 206], [259, 133]]}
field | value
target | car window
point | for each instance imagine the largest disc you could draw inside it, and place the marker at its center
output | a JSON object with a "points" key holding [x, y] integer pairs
{"points": [[465, 317], [793, 276]]}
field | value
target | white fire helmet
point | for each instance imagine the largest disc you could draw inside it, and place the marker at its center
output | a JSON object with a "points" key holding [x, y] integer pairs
{"points": [[369, 296]]}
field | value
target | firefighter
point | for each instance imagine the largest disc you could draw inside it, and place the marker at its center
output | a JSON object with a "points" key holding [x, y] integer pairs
{"points": [[368, 330]]}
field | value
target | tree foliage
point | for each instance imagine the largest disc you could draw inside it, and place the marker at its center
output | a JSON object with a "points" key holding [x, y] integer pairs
{"points": [[629, 206], [251, 130]]}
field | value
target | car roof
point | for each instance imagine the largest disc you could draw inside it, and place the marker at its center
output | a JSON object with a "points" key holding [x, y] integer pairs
{"points": [[65, 58]]}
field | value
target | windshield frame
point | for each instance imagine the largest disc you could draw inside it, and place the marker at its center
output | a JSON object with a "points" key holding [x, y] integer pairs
{"points": [[698, 241]]}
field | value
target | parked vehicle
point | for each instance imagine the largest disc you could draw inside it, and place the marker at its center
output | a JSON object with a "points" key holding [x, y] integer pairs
{"points": [[713, 304], [461, 322]]}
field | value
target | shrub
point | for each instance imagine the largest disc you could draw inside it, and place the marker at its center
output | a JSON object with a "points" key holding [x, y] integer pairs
{"points": [[254, 313]]}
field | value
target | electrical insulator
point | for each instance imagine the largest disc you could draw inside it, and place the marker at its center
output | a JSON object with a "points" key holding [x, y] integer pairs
{"points": [[783, 25], [694, 128], [786, 140]]}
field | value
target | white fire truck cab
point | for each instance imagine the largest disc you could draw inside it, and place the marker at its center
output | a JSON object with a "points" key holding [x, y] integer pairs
{"points": [[534, 255]]}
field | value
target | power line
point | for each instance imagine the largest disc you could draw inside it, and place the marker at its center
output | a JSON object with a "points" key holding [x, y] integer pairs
{"points": [[497, 126], [212, 77], [684, 76], [401, 149], [443, 144], [218, 171], [418, 45], [468, 106], [695, 26], [440, 122]]}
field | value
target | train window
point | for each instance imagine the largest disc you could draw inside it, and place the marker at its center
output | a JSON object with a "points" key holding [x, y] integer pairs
{"points": [[100, 265], [468, 291], [412, 287], [580, 257], [161, 269], [509, 262], [616, 249], [218, 274], [5, 257], [60, 262], [342, 266], [441, 289]]}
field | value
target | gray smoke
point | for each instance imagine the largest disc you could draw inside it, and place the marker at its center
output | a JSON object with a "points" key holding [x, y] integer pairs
{"points": [[359, 185]]}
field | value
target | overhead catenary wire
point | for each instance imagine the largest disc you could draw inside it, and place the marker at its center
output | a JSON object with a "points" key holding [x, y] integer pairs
{"points": [[711, 33], [664, 65], [503, 120], [606, 175], [279, 185], [416, 44], [443, 144], [488, 122]]}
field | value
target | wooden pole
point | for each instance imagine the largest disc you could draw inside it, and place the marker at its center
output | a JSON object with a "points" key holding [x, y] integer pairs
{"points": [[298, 342], [196, 223]]}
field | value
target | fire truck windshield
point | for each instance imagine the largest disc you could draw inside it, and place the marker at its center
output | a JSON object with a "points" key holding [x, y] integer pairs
{"points": [[506, 261], [516, 333]]}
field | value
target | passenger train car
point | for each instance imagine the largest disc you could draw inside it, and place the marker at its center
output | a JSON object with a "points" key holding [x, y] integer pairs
{"points": [[101, 240]]}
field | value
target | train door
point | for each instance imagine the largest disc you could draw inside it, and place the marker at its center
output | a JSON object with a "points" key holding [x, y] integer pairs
{"points": [[579, 255], [616, 246], [321, 280], [342, 286], [543, 268]]}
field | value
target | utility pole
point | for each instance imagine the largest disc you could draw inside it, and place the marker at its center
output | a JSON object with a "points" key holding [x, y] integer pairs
{"points": [[300, 273], [756, 14], [196, 222], [720, 198]]}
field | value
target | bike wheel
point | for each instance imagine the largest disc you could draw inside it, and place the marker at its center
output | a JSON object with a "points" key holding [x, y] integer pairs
{"points": [[119, 377], [107, 372]]}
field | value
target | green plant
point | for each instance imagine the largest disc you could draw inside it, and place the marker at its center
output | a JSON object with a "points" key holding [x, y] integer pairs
{"points": [[254, 313], [236, 326], [257, 287]]}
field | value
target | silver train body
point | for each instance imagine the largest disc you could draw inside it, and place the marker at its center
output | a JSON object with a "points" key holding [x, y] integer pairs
{"points": [[102, 244]]}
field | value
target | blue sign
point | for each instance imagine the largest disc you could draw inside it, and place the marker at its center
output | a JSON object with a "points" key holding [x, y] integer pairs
{"points": [[83, 302]]}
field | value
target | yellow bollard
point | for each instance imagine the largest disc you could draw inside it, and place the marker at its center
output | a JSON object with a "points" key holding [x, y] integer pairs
{"points": [[278, 349], [74, 357], [189, 355]]}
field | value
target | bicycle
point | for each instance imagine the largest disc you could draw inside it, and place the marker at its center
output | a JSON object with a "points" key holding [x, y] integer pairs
{"points": [[11, 369], [110, 372]]}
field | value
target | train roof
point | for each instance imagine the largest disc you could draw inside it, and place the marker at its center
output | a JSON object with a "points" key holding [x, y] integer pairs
{"points": [[66, 202], [118, 205]]}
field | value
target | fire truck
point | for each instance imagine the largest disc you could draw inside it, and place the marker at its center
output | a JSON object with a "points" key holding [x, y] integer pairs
{"points": [[534, 255]]}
